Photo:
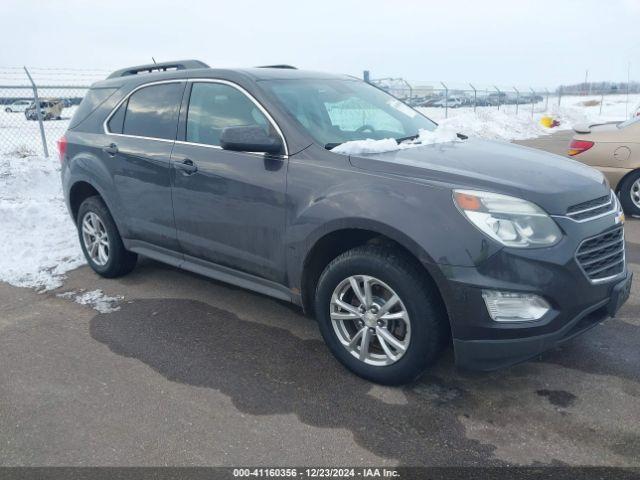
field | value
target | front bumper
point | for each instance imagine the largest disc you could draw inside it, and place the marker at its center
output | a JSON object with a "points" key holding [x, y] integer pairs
{"points": [[488, 355], [577, 304]]}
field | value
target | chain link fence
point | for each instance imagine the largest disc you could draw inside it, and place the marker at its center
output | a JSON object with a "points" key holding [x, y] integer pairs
{"points": [[443, 99], [26, 130]]}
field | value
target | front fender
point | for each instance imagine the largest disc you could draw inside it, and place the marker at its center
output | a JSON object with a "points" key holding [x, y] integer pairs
{"points": [[419, 216]]}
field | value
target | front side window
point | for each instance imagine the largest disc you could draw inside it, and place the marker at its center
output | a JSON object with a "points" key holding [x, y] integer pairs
{"points": [[334, 111], [153, 111], [215, 106]]}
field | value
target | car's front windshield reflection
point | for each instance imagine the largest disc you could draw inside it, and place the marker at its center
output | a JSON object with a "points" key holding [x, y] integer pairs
{"points": [[334, 111]]}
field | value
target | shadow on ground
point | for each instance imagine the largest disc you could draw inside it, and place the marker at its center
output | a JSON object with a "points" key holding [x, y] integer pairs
{"points": [[266, 371], [535, 413]]}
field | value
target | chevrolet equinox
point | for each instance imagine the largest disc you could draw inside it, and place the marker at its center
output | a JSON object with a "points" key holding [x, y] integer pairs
{"points": [[237, 174]]}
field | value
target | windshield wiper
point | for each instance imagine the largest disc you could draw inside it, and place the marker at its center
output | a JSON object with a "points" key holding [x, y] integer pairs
{"points": [[410, 137]]}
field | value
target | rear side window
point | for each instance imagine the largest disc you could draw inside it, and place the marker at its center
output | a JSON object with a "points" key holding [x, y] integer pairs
{"points": [[92, 100], [153, 111], [214, 106]]}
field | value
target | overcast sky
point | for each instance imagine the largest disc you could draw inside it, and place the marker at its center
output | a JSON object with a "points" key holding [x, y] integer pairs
{"points": [[538, 43]]}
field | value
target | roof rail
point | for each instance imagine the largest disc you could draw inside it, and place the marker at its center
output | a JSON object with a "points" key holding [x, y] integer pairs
{"points": [[291, 67], [159, 67]]}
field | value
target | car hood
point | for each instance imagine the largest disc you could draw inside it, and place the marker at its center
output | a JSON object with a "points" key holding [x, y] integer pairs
{"points": [[551, 181]]}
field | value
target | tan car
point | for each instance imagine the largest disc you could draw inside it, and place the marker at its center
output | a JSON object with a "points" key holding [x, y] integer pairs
{"points": [[614, 149], [50, 109]]}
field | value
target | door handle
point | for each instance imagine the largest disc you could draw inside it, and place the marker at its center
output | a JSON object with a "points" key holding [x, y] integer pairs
{"points": [[110, 149], [187, 166]]}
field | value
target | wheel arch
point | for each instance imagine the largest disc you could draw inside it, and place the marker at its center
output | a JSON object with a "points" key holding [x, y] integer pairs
{"points": [[78, 193], [332, 242]]}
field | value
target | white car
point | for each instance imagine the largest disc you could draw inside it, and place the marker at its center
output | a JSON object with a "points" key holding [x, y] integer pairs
{"points": [[451, 102], [636, 111], [17, 106]]}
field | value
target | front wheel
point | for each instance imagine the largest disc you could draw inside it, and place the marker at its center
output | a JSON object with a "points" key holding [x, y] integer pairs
{"points": [[629, 194], [379, 314], [8, 110]]}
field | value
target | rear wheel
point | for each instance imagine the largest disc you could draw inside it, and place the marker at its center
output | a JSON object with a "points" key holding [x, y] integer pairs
{"points": [[379, 315], [629, 194], [101, 242]]}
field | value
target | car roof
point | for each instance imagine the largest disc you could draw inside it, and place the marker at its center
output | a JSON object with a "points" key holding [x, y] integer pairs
{"points": [[255, 74]]}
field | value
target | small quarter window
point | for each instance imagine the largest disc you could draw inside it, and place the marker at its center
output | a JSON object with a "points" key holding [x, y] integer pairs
{"points": [[92, 100]]}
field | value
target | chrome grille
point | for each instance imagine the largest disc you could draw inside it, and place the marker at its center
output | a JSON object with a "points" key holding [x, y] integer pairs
{"points": [[593, 208], [602, 257]]}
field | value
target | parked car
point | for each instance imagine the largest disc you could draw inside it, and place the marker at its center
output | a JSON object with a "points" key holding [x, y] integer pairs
{"points": [[251, 177], [49, 109], [451, 102], [430, 102], [17, 106], [614, 149], [494, 99], [480, 101]]}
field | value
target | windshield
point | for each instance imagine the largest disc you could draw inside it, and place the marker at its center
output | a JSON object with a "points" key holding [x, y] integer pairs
{"points": [[337, 111]]}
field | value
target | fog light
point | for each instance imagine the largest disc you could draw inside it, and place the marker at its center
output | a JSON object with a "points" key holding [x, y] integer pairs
{"points": [[514, 306]]}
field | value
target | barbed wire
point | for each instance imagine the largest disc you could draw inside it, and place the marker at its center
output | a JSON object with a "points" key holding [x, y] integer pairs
{"points": [[2, 67]]}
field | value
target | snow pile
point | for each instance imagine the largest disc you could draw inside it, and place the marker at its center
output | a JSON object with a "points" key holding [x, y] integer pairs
{"points": [[495, 125], [442, 134], [505, 124], [38, 241], [96, 299]]}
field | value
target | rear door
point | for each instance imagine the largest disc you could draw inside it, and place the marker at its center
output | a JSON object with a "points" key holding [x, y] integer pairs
{"points": [[229, 206], [141, 134]]}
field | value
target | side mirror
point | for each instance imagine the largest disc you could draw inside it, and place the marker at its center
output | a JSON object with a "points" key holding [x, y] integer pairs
{"points": [[250, 139]]}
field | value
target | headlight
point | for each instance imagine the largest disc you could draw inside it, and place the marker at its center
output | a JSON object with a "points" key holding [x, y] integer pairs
{"points": [[509, 220]]}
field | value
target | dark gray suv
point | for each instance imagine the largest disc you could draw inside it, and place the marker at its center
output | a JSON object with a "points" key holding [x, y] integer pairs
{"points": [[234, 174]]}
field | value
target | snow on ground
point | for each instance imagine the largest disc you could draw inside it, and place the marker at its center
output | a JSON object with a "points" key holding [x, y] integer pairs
{"points": [[18, 133], [96, 299], [38, 241]]}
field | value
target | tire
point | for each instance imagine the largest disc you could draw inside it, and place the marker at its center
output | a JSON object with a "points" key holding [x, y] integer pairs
{"points": [[119, 261], [625, 194], [8, 110], [428, 323]]}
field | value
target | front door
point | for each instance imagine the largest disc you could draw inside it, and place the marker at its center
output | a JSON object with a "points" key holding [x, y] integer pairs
{"points": [[229, 206]]}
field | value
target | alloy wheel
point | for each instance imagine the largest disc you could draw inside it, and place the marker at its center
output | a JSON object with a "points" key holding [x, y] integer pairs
{"points": [[95, 238], [370, 320], [635, 193]]}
